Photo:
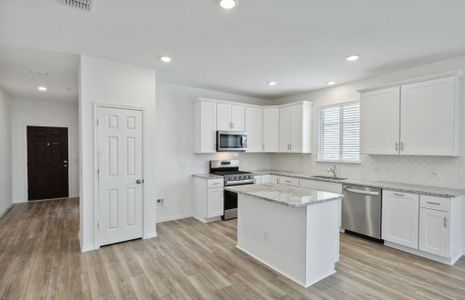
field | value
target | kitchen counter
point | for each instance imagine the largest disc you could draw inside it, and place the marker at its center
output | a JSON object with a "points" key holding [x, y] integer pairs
{"points": [[294, 231], [284, 194], [395, 186]]}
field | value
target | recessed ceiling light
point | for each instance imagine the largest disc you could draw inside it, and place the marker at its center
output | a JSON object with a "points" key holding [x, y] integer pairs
{"points": [[272, 83], [165, 59], [228, 4], [353, 57], [331, 82], [42, 88]]}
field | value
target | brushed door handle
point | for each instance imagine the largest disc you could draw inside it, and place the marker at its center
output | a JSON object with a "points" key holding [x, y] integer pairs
{"points": [[140, 181]]}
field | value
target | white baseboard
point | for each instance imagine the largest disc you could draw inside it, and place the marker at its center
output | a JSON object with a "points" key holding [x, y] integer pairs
{"points": [[173, 218], [448, 261], [5, 210]]}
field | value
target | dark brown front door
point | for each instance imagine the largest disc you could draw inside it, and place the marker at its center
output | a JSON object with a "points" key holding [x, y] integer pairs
{"points": [[47, 162]]}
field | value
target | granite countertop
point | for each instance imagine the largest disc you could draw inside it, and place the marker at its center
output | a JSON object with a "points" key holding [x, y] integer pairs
{"points": [[396, 186], [284, 194]]}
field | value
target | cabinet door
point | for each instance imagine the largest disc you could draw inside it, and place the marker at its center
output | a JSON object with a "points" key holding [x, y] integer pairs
{"points": [[296, 128], [223, 117], [207, 127], [258, 179], [271, 129], [215, 202], [379, 118], [254, 128], [434, 232], [284, 129], [400, 218], [428, 117], [238, 117], [274, 179]]}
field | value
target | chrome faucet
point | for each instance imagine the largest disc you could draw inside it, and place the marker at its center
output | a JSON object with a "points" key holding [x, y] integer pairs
{"points": [[333, 170]]}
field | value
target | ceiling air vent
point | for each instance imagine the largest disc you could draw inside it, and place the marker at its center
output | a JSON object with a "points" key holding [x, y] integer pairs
{"points": [[81, 4]]}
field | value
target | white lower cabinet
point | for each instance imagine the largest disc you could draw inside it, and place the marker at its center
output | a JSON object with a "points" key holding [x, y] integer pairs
{"points": [[209, 199], [215, 202], [427, 226], [400, 218], [434, 231]]}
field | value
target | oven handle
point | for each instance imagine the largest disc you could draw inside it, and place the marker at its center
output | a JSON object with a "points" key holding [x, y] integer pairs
{"points": [[356, 191]]}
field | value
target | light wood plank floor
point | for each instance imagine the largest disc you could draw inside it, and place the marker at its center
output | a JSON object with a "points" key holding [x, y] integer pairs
{"points": [[40, 259]]}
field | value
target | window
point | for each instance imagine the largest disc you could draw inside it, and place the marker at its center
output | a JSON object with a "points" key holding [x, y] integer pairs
{"points": [[339, 133]]}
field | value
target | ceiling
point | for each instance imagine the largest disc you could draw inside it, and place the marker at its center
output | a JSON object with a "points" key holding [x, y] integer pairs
{"points": [[299, 43], [22, 71]]}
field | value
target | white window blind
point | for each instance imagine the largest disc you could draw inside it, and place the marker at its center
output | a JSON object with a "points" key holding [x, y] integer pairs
{"points": [[339, 133]]}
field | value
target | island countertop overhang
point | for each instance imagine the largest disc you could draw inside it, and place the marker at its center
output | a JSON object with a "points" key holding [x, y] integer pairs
{"points": [[284, 194]]}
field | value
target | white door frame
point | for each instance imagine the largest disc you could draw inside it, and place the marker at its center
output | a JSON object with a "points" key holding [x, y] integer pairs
{"points": [[97, 106], [71, 146]]}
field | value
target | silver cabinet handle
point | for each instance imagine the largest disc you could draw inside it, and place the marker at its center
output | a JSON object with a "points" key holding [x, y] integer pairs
{"points": [[401, 146], [362, 192], [433, 203], [399, 195], [397, 146], [445, 222]]}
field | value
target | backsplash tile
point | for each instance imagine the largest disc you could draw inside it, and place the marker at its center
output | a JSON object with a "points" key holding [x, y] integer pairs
{"points": [[425, 170]]}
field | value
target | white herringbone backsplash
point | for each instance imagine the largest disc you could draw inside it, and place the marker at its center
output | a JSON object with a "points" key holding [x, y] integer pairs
{"points": [[426, 170]]}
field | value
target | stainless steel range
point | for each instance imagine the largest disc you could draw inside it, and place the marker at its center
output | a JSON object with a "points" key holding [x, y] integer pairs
{"points": [[229, 169]]}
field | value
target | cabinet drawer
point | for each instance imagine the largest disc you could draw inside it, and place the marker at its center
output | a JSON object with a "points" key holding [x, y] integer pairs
{"points": [[215, 182], [436, 203], [288, 180]]}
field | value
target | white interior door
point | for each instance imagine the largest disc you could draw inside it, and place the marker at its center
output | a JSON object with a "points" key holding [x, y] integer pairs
{"points": [[120, 160]]}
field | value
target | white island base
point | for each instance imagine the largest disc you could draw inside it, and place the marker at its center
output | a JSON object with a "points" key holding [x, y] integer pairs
{"points": [[301, 243]]}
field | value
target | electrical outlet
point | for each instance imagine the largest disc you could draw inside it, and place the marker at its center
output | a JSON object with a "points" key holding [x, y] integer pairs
{"points": [[160, 203]]}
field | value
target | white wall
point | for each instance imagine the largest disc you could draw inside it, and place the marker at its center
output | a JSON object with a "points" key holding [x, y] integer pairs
{"points": [[108, 82], [175, 160], [5, 153], [443, 171], [42, 113]]}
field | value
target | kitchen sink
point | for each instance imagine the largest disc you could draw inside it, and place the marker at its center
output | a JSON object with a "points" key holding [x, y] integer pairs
{"points": [[329, 177]]}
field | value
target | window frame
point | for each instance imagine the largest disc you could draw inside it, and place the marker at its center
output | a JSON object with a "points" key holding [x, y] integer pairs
{"points": [[341, 136]]}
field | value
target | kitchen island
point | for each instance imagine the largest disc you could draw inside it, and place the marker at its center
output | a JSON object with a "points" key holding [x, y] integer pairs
{"points": [[293, 230]]}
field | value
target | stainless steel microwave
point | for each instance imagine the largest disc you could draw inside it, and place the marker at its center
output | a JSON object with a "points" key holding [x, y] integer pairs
{"points": [[230, 141]]}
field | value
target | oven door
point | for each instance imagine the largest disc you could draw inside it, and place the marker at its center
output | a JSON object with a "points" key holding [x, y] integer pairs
{"points": [[231, 141]]}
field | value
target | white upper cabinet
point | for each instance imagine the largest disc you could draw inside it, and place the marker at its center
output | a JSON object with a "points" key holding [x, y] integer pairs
{"points": [[204, 126], [230, 117], [223, 117], [429, 117], [295, 132], [270, 129], [254, 128], [421, 118], [285, 129], [379, 121], [238, 117], [266, 126]]}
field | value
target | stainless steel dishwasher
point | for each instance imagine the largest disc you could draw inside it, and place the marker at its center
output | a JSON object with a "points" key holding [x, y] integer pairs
{"points": [[361, 210]]}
